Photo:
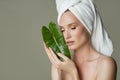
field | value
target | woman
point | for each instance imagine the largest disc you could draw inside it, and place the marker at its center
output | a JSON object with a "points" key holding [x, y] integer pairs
{"points": [[85, 35]]}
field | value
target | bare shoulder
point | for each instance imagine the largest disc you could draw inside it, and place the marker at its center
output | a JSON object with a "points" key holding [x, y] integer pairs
{"points": [[107, 61], [107, 68]]}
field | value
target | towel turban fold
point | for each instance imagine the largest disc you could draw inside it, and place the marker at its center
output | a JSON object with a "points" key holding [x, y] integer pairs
{"points": [[87, 13]]}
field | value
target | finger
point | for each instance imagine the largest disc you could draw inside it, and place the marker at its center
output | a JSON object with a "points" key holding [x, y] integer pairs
{"points": [[49, 53], [54, 56], [46, 49], [63, 56]]}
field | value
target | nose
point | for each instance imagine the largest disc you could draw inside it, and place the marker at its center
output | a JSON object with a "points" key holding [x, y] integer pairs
{"points": [[67, 35]]}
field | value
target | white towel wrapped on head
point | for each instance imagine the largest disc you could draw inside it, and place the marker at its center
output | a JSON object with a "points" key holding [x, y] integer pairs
{"points": [[87, 14]]}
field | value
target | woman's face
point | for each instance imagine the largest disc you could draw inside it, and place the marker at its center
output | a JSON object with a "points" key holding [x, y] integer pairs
{"points": [[75, 34]]}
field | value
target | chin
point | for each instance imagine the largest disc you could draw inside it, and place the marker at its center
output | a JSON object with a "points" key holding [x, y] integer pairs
{"points": [[72, 48]]}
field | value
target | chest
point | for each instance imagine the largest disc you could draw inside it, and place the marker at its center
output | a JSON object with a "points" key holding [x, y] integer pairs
{"points": [[87, 70]]}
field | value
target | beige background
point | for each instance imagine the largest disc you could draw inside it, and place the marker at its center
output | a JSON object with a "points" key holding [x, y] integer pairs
{"points": [[22, 56]]}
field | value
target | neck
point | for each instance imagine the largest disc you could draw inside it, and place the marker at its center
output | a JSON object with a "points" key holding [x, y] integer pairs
{"points": [[85, 51]]}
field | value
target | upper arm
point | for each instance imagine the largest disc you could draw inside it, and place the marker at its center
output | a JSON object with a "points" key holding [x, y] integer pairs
{"points": [[107, 69]]}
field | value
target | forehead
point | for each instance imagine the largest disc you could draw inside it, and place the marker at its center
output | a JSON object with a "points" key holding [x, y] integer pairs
{"points": [[68, 18]]}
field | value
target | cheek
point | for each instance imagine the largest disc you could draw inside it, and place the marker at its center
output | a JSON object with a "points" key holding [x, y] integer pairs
{"points": [[77, 38], [77, 34]]}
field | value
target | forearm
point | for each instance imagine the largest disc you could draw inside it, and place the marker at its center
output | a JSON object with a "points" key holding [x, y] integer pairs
{"points": [[75, 75], [55, 73]]}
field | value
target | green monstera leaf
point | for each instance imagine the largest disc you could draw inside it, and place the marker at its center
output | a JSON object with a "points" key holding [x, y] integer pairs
{"points": [[53, 38]]}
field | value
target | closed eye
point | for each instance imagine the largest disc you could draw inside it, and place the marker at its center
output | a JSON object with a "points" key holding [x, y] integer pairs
{"points": [[73, 28], [62, 30]]}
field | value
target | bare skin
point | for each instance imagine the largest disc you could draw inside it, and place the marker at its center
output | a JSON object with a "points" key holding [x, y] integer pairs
{"points": [[102, 68], [87, 63]]}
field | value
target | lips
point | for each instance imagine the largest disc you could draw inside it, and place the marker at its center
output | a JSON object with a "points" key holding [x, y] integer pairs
{"points": [[70, 43]]}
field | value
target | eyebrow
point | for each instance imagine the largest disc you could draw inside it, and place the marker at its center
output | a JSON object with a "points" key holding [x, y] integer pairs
{"points": [[73, 23]]}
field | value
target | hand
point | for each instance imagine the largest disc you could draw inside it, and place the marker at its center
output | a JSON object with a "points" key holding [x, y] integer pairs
{"points": [[66, 64]]}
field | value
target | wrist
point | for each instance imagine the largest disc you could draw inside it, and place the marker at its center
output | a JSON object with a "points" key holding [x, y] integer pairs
{"points": [[74, 74]]}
